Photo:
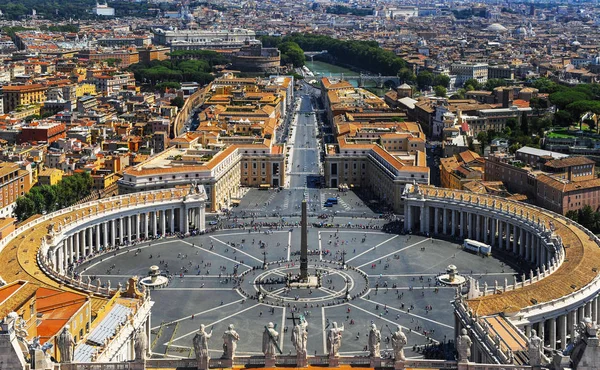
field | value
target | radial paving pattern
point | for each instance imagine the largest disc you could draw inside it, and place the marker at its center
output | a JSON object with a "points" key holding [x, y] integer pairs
{"points": [[390, 279]]}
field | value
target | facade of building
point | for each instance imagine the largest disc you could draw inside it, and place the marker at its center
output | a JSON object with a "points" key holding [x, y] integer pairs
{"points": [[15, 182], [467, 71], [17, 95], [203, 39]]}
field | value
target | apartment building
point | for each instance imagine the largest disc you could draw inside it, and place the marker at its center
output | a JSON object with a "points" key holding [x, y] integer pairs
{"points": [[553, 180], [467, 71], [17, 95], [222, 172], [15, 181]]}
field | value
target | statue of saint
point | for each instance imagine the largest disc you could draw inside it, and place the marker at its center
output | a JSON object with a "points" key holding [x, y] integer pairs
{"points": [[141, 345], [200, 342], [300, 337], [535, 349], [374, 341], [334, 339], [398, 343], [230, 338], [65, 344], [269, 341], [463, 346]]}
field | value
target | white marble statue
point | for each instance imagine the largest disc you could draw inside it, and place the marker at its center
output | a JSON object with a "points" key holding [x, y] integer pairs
{"points": [[230, 338], [535, 349], [398, 342], [200, 342], [300, 337], [65, 344], [374, 341], [463, 346], [140, 345], [269, 340], [334, 339]]}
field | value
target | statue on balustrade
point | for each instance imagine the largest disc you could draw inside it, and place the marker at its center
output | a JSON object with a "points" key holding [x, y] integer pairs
{"points": [[463, 346], [65, 344], [300, 337], [230, 339], [374, 341], [141, 345], [200, 342], [535, 349], [334, 340], [269, 341], [398, 342]]}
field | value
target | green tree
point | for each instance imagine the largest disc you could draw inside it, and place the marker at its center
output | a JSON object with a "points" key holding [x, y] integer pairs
{"points": [[178, 101], [524, 123], [483, 138], [440, 91], [441, 80], [24, 208], [573, 215], [424, 79], [472, 84], [492, 83], [291, 53], [563, 118], [406, 75]]}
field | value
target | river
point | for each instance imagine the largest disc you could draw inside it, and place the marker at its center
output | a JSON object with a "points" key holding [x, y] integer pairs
{"points": [[322, 69]]}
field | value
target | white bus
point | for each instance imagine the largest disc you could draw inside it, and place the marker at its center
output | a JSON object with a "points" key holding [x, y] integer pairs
{"points": [[477, 247]]}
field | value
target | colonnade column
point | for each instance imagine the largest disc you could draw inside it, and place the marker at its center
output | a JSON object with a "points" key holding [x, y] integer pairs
{"points": [[552, 342], [500, 234], [436, 222], [562, 330], [445, 221], [172, 227], [137, 226], [507, 231], [75, 238], [515, 238], [98, 245], [453, 226], [105, 234], [113, 236], [493, 235]]}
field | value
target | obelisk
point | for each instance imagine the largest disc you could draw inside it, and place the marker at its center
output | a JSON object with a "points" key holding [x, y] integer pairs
{"points": [[304, 244]]}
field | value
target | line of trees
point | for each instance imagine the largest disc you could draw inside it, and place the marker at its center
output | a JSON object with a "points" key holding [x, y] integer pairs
{"points": [[49, 198], [364, 55], [197, 66], [587, 217]]}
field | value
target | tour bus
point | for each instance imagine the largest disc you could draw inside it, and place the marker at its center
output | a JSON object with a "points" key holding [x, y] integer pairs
{"points": [[477, 247]]}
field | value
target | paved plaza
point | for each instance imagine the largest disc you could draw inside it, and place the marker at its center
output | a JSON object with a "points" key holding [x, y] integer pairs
{"points": [[390, 278]]}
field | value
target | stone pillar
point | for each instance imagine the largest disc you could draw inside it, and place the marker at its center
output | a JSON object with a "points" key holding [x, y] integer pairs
{"points": [[146, 229], [113, 233], [515, 238], [121, 230], [527, 246], [436, 222], [137, 226], [562, 331], [163, 222], [493, 239], [81, 236], [470, 225], [461, 216], [522, 234], [445, 221], [422, 219], [98, 245], [552, 339], [69, 249], [186, 225], [542, 329], [75, 243], [59, 260], [478, 230], [588, 309], [453, 225], [90, 238], [105, 239], [571, 320], [500, 234], [408, 221], [507, 237], [172, 220], [130, 229]]}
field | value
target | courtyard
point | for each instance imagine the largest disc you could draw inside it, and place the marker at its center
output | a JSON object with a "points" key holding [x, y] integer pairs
{"points": [[215, 278]]}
